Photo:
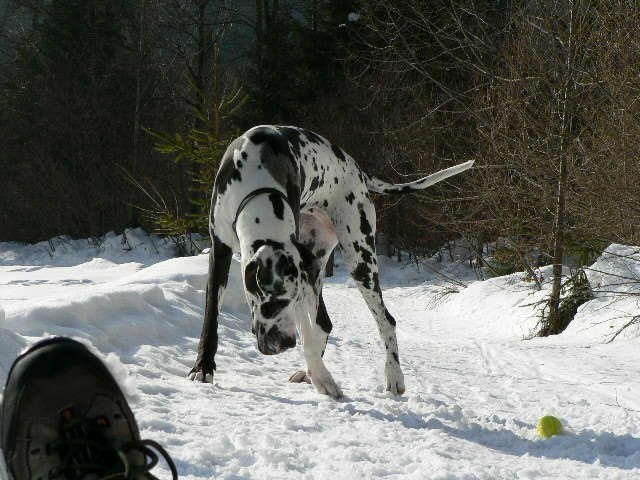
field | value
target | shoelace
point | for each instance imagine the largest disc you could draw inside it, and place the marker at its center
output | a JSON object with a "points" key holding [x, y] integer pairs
{"points": [[80, 452], [84, 451]]}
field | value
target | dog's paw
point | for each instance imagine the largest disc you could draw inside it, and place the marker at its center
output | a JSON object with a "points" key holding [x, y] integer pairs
{"points": [[200, 376], [395, 379], [299, 377], [326, 385]]}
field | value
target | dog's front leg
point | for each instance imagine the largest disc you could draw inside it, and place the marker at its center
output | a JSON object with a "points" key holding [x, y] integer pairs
{"points": [[219, 264], [314, 340]]}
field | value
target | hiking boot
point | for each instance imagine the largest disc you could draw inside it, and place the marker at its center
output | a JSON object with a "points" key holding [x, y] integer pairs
{"points": [[63, 416]]}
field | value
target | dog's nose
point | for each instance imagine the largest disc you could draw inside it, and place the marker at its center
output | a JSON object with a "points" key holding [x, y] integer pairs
{"points": [[274, 341]]}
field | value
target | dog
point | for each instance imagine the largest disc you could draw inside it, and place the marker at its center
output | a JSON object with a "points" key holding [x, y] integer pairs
{"points": [[284, 197]]}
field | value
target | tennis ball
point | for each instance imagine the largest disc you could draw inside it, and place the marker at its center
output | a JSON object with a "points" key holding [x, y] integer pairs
{"points": [[548, 426]]}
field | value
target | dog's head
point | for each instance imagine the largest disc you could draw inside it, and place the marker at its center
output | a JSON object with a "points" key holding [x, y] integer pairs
{"points": [[278, 281]]}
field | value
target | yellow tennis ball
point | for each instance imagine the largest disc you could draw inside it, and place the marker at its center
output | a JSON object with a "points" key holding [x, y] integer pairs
{"points": [[548, 426]]}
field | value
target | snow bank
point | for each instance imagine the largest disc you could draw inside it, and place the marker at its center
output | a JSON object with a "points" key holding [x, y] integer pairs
{"points": [[152, 306], [474, 389], [502, 307], [510, 306], [133, 245], [615, 280]]}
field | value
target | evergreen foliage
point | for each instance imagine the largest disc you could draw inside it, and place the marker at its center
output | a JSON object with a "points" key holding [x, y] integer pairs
{"points": [[201, 148], [575, 291]]}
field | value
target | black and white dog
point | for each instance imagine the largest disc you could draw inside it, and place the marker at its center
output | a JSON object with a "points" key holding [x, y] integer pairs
{"points": [[284, 197]]}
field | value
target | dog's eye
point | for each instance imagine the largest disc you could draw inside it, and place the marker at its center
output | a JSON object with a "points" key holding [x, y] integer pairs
{"points": [[272, 308], [286, 267]]}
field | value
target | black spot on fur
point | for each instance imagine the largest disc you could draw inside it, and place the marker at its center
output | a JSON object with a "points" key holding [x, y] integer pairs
{"points": [[293, 137], [350, 198], [293, 195], [314, 184], [365, 226], [257, 220], [320, 253], [370, 241], [309, 264], [366, 229], [322, 318], [239, 163], [278, 205], [244, 155], [228, 171], [362, 273], [272, 308], [325, 203], [390, 319], [303, 177], [337, 151], [277, 142], [285, 267], [335, 179], [348, 229], [367, 256], [314, 137], [395, 357]]}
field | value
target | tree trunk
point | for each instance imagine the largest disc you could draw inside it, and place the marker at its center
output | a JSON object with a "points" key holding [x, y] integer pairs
{"points": [[314, 15], [202, 49], [553, 323], [136, 120]]}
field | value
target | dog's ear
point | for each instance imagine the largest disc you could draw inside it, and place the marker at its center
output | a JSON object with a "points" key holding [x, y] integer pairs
{"points": [[258, 274], [251, 278]]}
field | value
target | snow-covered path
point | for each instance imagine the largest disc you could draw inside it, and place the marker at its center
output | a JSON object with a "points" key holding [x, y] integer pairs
{"points": [[474, 389]]}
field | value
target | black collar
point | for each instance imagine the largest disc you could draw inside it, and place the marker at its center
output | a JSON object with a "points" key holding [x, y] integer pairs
{"points": [[252, 195]]}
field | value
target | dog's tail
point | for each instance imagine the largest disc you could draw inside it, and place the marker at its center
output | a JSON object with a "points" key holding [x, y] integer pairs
{"points": [[378, 186]]}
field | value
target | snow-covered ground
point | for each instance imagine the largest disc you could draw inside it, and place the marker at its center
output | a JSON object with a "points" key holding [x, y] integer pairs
{"points": [[475, 387]]}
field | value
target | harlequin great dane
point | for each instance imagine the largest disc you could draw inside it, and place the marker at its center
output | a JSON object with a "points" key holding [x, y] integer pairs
{"points": [[284, 197]]}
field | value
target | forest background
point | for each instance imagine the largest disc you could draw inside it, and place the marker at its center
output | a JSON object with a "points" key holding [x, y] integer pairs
{"points": [[115, 114]]}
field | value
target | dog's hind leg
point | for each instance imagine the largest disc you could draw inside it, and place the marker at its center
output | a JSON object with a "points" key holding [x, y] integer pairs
{"points": [[356, 232], [219, 264]]}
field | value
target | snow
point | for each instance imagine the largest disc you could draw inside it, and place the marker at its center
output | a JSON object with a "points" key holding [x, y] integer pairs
{"points": [[475, 386]]}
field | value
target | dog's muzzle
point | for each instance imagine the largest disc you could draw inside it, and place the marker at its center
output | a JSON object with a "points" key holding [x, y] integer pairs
{"points": [[274, 341]]}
